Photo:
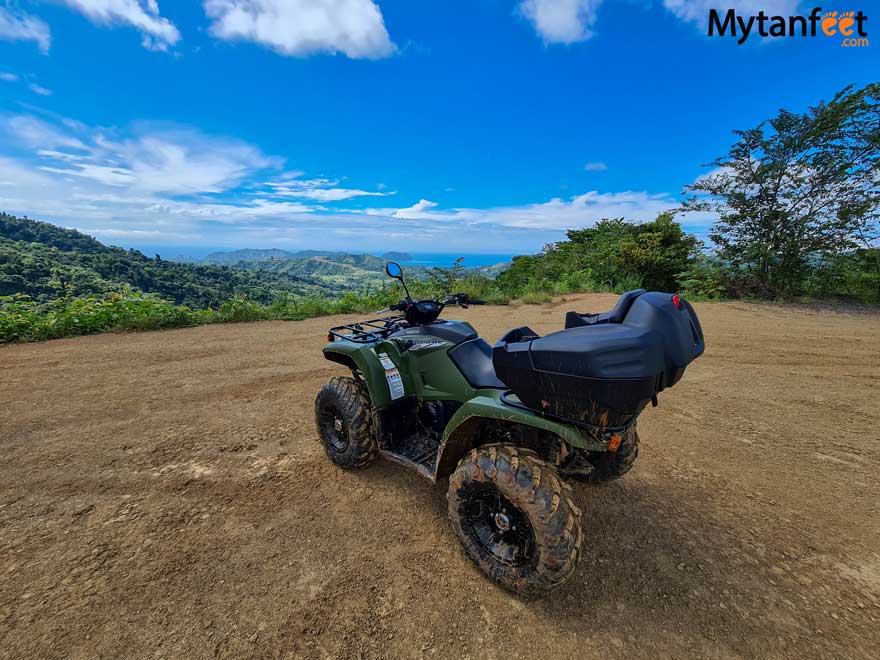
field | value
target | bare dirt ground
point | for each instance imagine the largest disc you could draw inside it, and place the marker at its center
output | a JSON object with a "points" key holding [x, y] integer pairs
{"points": [[164, 495]]}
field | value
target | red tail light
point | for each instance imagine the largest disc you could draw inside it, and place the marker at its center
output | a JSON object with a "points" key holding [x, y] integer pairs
{"points": [[676, 300]]}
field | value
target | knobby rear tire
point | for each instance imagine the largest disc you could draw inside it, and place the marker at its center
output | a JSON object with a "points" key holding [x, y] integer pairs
{"points": [[534, 487]]}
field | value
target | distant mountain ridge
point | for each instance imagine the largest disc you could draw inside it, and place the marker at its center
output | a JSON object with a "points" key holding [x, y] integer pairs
{"points": [[235, 256], [397, 256], [340, 268], [270, 254]]}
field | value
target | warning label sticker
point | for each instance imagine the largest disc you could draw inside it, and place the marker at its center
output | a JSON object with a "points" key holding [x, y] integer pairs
{"points": [[395, 384], [392, 375]]}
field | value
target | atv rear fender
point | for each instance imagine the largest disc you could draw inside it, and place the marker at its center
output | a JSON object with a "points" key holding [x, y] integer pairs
{"points": [[463, 432]]}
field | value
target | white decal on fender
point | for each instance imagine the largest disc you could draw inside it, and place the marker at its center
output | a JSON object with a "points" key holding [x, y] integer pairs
{"points": [[392, 375]]}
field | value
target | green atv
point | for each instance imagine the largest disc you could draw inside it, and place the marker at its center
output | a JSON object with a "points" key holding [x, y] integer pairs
{"points": [[509, 426]]}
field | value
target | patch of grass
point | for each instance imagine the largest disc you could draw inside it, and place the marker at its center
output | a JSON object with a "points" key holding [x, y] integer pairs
{"points": [[536, 297]]}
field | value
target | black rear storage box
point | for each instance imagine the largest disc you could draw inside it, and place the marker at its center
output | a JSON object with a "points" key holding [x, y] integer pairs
{"points": [[607, 368]]}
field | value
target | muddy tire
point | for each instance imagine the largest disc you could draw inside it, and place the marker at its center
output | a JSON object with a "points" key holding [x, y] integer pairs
{"points": [[515, 518], [608, 465], [345, 423]]}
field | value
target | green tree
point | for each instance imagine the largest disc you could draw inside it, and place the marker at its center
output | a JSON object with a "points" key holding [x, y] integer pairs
{"points": [[447, 279], [614, 254], [796, 189]]}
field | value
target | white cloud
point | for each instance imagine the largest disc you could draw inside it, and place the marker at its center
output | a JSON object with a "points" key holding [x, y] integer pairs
{"points": [[110, 176], [304, 27], [582, 210], [8, 77], [39, 89], [697, 11], [157, 33], [183, 161], [39, 134], [417, 210], [112, 234], [150, 173], [60, 155], [557, 214], [562, 21], [19, 26], [230, 213], [321, 190], [151, 159], [595, 167]]}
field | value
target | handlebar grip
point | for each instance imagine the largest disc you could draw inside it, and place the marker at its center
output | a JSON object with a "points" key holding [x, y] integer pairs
{"points": [[398, 307], [476, 302]]}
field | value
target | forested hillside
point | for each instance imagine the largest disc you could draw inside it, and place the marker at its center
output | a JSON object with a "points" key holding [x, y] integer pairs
{"points": [[350, 271], [273, 254], [341, 270], [235, 256], [46, 262]]}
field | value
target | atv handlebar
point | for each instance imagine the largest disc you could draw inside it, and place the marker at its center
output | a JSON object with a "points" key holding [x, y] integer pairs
{"points": [[407, 304], [460, 299]]}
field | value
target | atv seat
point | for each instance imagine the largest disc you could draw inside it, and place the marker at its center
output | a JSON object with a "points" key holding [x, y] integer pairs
{"points": [[474, 360], [616, 315]]}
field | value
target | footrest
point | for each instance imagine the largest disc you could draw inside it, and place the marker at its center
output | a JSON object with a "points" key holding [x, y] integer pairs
{"points": [[419, 451]]}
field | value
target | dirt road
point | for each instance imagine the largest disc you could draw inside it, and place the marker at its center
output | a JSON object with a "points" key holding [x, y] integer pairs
{"points": [[164, 495]]}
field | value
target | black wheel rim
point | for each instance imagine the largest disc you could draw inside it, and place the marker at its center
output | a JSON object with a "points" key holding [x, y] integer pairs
{"points": [[498, 527], [333, 429]]}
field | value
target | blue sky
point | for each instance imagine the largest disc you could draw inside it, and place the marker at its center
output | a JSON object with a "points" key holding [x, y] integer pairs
{"points": [[476, 126]]}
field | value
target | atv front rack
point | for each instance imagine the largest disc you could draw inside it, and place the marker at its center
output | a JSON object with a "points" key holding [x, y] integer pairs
{"points": [[364, 332]]}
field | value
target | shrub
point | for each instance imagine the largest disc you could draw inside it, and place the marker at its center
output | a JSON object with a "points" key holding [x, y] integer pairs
{"points": [[241, 309], [23, 319], [706, 279]]}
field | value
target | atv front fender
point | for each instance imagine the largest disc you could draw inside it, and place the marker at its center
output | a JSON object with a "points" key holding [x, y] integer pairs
{"points": [[462, 432], [364, 364]]}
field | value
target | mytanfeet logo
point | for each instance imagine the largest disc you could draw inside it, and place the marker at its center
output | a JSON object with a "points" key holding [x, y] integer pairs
{"points": [[849, 26]]}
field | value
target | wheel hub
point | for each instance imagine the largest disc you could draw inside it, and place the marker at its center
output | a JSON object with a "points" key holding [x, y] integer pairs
{"points": [[333, 429], [500, 528], [502, 522]]}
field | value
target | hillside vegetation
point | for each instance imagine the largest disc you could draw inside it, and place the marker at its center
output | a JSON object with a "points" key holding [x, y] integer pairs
{"points": [[58, 282], [347, 271], [46, 262]]}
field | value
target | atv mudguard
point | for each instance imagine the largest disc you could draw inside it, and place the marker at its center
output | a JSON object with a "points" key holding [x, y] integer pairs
{"points": [[462, 432], [365, 365]]}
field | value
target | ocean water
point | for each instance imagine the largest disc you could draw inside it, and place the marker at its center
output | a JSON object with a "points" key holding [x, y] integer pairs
{"points": [[444, 260], [441, 259]]}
